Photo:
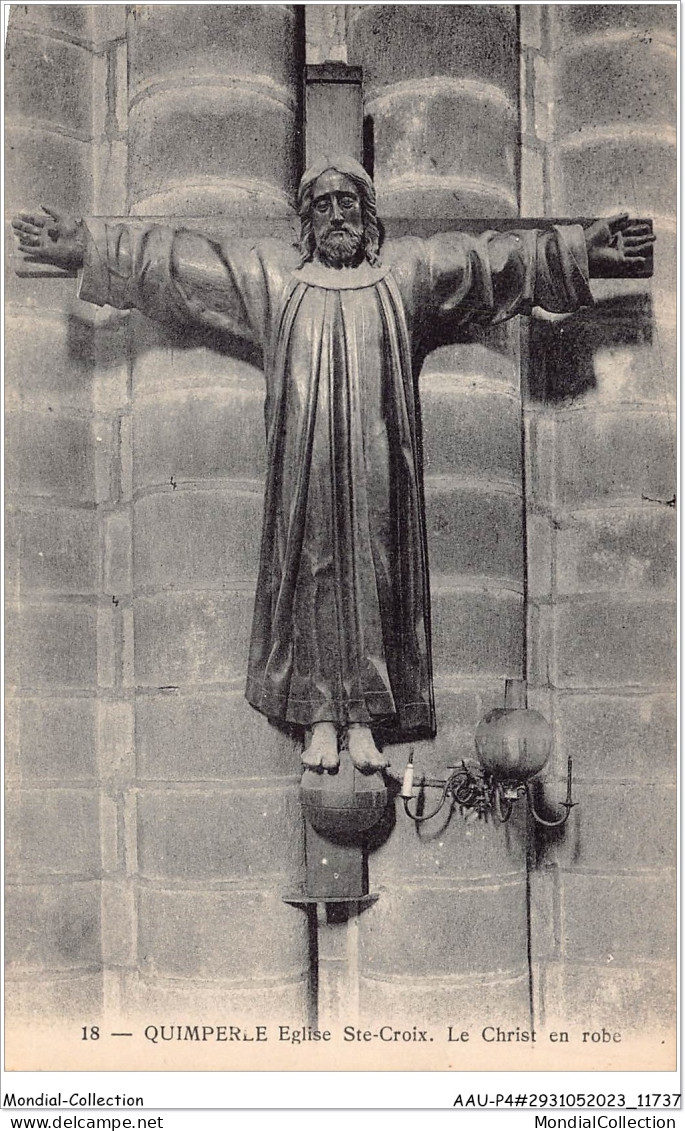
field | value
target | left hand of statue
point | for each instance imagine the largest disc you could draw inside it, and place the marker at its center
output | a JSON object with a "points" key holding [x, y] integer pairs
{"points": [[617, 245], [55, 238]]}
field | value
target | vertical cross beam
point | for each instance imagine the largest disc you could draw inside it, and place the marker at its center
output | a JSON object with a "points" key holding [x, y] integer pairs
{"points": [[333, 114]]}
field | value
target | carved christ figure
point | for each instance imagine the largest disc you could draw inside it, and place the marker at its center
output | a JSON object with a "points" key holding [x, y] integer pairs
{"points": [[341, 644]]}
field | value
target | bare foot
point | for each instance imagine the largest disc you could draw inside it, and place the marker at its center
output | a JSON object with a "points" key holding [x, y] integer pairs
{"points": [[322, 751], [363, 750]]}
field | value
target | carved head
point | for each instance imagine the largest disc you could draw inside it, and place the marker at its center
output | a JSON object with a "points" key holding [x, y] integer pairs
{"points": [[337, 206]]}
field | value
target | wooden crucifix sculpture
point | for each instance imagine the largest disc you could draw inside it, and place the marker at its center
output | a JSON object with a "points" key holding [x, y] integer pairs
{"points": [[341, 644]]}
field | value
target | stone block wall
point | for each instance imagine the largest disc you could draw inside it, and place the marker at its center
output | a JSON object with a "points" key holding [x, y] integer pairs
{"points": [[600, 85], [154, 820], [63, 675]]}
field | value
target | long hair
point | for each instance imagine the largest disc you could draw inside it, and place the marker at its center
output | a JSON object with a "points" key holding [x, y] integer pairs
{"points": [[372, 229]]}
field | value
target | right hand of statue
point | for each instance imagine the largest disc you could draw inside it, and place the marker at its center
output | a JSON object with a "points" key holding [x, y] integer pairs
{"points": [[56, 238]]}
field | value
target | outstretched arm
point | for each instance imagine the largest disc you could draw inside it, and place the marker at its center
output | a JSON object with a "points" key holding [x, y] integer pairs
{"points": [[170, 275], [492, 277]]}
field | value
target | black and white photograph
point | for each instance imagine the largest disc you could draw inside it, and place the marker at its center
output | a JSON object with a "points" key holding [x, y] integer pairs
{"points": [[340, 537]]}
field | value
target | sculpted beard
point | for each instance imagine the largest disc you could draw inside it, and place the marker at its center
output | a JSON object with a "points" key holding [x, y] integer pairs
{"points": [[340, 246]]}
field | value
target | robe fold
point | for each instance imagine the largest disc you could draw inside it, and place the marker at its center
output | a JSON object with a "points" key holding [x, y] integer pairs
{"points": [[341, 628]]}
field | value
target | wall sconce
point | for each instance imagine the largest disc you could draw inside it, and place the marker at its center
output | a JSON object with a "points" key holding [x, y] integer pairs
{"points": [[513, 745]]}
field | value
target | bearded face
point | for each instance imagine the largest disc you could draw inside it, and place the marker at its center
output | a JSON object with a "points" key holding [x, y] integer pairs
{"points": [[337, 222], [340, 247]]}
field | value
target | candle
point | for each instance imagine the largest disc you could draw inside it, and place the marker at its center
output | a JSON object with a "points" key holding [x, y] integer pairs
{"points": [[408, 779]]}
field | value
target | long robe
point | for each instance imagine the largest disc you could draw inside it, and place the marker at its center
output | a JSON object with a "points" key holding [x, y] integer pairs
{"points": [[341, 628]]}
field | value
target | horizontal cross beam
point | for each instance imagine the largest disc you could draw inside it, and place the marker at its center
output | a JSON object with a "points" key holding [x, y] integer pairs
{"points": [[394, 228]]}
